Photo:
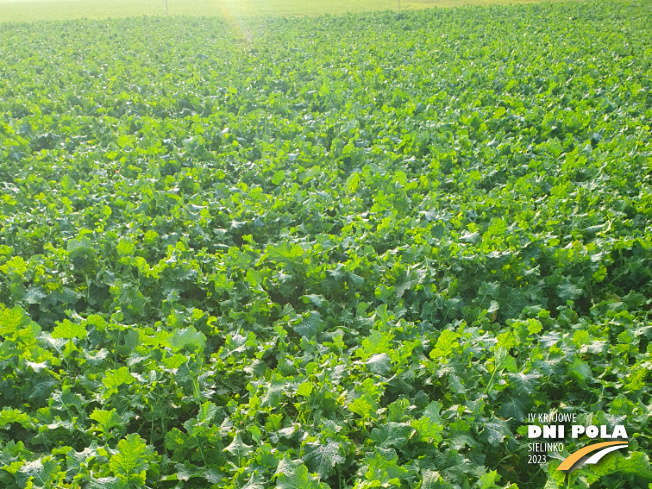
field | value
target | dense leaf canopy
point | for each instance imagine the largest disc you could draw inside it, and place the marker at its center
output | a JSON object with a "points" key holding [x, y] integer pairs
{"points": [[334, 252]]}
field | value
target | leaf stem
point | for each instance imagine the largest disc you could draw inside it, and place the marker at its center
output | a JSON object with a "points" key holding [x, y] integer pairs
{"points": [[491, 381], [201, 452]]}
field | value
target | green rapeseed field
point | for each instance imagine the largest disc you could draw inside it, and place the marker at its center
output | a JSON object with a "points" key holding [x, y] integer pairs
{"points": [[31, 10], [359, 251]]}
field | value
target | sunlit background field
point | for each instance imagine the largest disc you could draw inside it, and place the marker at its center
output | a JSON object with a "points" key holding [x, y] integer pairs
{"points": [[29, 10]]}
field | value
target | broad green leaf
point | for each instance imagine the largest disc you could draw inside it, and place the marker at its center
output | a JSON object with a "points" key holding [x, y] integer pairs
{"points": [[188, 339], [429, 426], [433, 480], [42, 472], [579, 369], [364, 406], [274, 392], [489, 480], [15, 267], [131, 460], [322, 458], [298, 478], [310, 324], [636, 463], [377, 342], [68, 330], [304, 389], [9, 416], [106, 419], [352, 182], [34, 295], [446, 344], [513, 407], [278, 177], [126, 248], [494, 431], [380, 364], [285, 253], [238, 448], [115, 378], [503, 361], [382, 466], [568, 291], [11, 320], [392, 434]]}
